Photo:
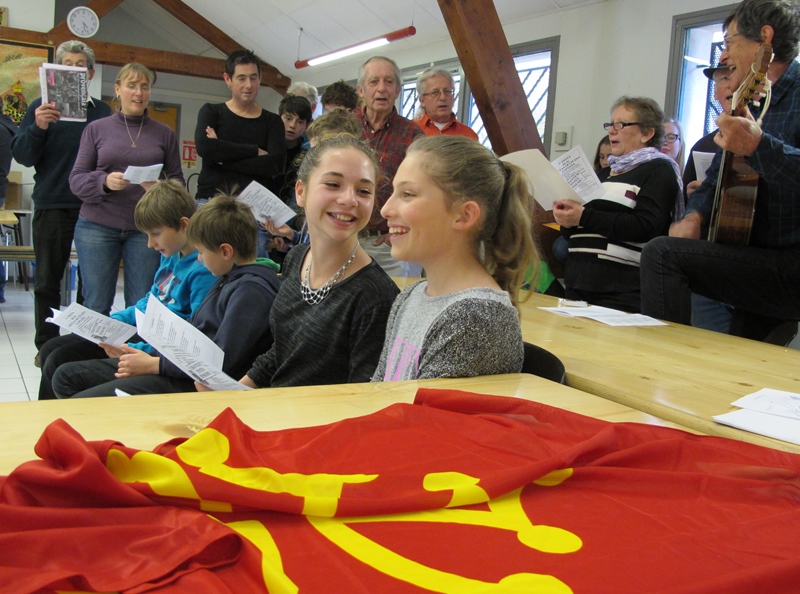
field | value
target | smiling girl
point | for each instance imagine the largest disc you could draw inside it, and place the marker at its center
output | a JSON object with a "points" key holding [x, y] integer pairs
{"points": [[466, 217], [329, 317]]}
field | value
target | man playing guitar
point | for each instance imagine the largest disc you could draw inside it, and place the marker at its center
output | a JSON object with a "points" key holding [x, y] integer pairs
{"points": [[761, 278]]}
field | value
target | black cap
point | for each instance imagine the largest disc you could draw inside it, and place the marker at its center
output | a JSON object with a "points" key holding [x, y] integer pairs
{"points": [[709, 72]]}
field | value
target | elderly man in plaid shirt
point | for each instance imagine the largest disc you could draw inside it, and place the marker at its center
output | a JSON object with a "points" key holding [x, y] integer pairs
{"points": [[389, 134]]}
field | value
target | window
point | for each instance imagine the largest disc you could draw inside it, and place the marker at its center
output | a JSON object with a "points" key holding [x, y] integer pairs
{"points": [[696, 44], [536, 65]]}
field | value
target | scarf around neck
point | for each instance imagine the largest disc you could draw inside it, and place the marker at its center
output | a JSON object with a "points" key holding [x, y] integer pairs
{"points": [[632, 160]]}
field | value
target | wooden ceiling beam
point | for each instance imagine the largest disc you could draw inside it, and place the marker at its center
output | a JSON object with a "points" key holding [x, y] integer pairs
{"points": [[484, 54], [117, 54], [270, 75]]}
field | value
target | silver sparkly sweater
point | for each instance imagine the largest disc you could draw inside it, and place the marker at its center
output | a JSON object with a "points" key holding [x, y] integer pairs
{"points": [[464, 334]]}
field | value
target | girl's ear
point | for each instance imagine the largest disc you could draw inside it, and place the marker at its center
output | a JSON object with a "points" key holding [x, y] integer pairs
{"points": [[468, 215], [300, 193]]}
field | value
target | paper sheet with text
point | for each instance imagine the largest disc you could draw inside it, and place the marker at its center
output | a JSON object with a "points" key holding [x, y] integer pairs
{"points": [[91, 325], [774, 413], [570, 177], [138, 175], [606, 315], [702, 161], [190, 350], [266, 205]]}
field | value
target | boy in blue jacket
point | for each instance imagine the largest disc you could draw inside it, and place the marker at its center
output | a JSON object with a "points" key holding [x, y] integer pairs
{"points": [[181, 282], [234, 314]]}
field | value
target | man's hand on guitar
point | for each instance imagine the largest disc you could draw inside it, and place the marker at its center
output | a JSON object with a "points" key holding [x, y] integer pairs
{"points": [[688, 227], [738, 135]]}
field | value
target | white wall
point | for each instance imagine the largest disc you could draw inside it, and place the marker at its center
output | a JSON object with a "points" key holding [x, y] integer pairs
{"points": [[607, 50], [618, 47]]}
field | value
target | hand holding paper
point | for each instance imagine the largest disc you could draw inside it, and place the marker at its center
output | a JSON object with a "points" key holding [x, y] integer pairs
{"points": [[570, 177], [190, 350], [139, 175], [92, 326], [266, 205]]}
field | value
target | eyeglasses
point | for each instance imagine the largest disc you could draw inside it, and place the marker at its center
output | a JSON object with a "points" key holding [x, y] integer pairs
{"points": [[436, 92], [725, 39], [618, 125], [670, 138]]}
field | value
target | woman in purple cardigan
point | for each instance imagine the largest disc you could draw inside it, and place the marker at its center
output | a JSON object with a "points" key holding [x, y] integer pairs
{"points": [[105, 233]]}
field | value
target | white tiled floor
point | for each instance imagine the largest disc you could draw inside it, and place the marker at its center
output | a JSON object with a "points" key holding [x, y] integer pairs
{"points": [[19, 377]]}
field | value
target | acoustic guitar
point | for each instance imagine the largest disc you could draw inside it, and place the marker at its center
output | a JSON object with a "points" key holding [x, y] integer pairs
{"points": [[735, 197]]}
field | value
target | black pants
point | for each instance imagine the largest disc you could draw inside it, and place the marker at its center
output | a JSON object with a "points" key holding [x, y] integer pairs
{"points": [[762, 285], [53, 230], [61, 350]]}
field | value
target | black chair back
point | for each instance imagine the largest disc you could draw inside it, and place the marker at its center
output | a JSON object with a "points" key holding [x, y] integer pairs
{"points": [[541, 362]]}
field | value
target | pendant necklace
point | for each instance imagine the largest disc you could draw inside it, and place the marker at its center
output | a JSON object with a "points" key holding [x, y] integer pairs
{"points": [[314, 296], [133, 142]]}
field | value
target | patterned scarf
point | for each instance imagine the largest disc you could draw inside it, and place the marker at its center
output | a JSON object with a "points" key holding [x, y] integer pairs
{"points": [[634, 159]]}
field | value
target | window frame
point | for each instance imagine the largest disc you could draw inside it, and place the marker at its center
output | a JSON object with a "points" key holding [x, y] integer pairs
{"points": [[551, 44], [681, 23]]}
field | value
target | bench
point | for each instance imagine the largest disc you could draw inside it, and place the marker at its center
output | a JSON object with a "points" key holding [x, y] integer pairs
{"points": [[25, 254]]}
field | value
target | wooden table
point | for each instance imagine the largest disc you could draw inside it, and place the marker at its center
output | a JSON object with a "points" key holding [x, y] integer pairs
{"points": [[145, 421], [8, 218], [679, 373]]}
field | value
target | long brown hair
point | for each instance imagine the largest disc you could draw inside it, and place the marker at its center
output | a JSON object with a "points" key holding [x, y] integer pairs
{"points": [[465, 170]]}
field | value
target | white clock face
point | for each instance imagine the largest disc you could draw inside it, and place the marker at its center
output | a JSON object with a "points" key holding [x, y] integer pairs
{"points": [[83, 21]]}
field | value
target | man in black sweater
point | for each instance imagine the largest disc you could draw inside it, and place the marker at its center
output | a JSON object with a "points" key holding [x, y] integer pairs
{"points": [[50, 147]]}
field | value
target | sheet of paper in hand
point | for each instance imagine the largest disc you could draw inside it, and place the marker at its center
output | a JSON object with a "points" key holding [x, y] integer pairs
{"points": [[570, 177], [92, 326], [266, 205]]}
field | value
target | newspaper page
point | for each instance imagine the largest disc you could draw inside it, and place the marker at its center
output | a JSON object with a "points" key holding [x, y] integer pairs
{"points": [[266, 205], [92, 326], [68, 88], [190, 350]]}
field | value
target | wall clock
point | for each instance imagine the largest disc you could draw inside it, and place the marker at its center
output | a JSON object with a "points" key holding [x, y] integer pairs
{"points": [[83, 21]]}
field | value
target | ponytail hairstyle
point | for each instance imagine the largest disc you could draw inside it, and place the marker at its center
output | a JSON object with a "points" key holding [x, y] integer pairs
{"points": [[465, 170]]}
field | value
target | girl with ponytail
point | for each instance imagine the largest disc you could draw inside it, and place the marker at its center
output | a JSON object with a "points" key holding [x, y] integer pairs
{"points": [[466, 217]]}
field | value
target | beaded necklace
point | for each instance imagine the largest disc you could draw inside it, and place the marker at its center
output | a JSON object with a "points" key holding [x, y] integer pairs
{"points": [[314, 296]]}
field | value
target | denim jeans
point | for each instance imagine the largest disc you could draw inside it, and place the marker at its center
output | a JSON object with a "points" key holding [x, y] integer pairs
{"points": [[755, 281], [100, 249], [711, 315]]}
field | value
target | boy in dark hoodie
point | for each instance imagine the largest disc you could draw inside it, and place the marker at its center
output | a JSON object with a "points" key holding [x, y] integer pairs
{"points": [[234, 314]]}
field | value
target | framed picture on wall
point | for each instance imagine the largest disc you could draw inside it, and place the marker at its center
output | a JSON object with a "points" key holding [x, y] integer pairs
{"points": [[19, 75]]}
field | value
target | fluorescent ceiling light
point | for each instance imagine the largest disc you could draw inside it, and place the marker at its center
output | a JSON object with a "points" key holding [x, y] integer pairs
{"points": [[358, 47]]}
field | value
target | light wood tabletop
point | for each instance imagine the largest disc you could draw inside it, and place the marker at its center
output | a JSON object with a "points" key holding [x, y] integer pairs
{"points": [[145, 421], [8, 218], [679, 373]]}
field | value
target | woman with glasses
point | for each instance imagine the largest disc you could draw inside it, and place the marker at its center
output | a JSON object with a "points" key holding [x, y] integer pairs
{"points": [[643, 191], [673, 145]]}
